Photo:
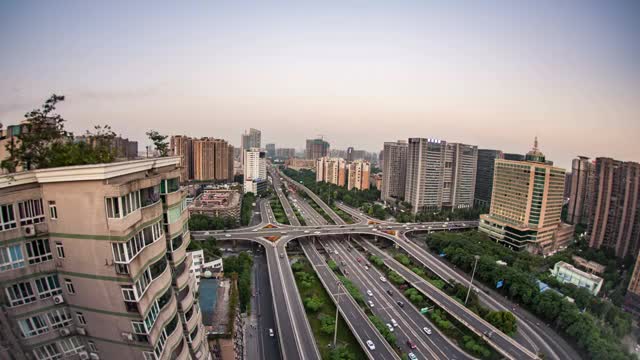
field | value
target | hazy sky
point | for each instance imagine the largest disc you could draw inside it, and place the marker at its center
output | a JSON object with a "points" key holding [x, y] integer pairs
{"points": [[359, 72]]}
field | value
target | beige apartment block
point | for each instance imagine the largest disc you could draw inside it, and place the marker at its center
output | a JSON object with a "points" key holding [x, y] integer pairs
{"points": [[358, 175], [93, 264], [331, 170]]}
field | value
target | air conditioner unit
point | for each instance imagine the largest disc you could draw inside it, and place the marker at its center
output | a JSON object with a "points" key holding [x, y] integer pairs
{"points": [[127, 336], [29, 230], [94, 356], [58, 299], [81, 331], [65, 332], [83, 355]]}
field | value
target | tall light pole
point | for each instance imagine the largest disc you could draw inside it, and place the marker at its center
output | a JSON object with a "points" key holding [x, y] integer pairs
{"points": [[335, 330], [477, 257]]}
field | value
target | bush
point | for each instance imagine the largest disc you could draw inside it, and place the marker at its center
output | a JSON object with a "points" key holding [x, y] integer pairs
{"points": [[395, 278], [313, 304]]}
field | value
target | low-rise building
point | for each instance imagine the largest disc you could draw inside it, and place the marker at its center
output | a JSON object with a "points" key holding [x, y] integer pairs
{"points": [[590, 266], [217, 203], [200, 267], [300, 164], [567, 273]]}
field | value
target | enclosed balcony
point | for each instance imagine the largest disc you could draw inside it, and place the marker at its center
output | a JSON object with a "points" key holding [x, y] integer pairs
{"points": [[185, 297], [182, 275]]}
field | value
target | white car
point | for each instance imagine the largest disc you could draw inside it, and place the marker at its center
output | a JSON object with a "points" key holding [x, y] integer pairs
{"points": [[369, 293], [370, 303], [206, 233], [382, 278], [366, 267], [412, 356], [394, 323], [370, 345], [316, 232], [390, 327], [228, 235], [427, 330], [370, 226], [271, 332], [254, 230], [306, 231]]}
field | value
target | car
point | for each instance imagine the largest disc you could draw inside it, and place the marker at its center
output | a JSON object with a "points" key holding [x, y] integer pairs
{"points": [[316, 232], [400, 303], [382, 278], [394, 323], [358, 259], [206, 233], [366, 267], [412, 356], [254, 230], [228, 235], [426, 330], [390, 327], [343, 263], [346, 272], [306, 231], [370, 303], [370, 226], [281, 255], [411, 345], [370, 345], [415, 228], [390, 292], [369, 293], [271, 332], [389, 227]]}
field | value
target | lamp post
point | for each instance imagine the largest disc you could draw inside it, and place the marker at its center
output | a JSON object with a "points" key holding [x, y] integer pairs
{"points": [[477, 257], [335, 330]]}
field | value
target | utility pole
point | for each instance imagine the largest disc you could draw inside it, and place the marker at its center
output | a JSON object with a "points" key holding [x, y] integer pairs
{"points": [[477, 257], [335, 330]]}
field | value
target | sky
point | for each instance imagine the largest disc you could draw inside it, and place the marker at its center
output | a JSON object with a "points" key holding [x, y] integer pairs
{"points": [[488, 73]]}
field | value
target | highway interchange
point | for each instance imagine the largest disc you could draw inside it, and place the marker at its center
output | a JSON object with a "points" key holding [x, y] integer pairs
{"points": [[290, 315]]}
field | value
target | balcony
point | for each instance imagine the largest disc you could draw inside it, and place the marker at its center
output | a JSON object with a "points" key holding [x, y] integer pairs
{"points": [[180, 253], [148, 255], [151, 212], [158, 287], [176, 227], [51, 335], [173, 341], [18, 232], [166, 315], [185, 298], [195, 319], [181, 352], [182, 274], [197, 340]]}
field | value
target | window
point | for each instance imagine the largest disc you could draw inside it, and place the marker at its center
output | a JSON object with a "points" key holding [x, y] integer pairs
{"points": [[31, 212], [194, 334], [33, 326], [53, 210], [38, 251], [129, 293], [124, 252], [47, 352], [152, 315], [11, 257], [71, 345], [81, 319], [20, 293], [121, 206], [59, 249], [59, 318], [48, 286], [69, 284], [162, 341], [7, 217], [122, 269], [92, 346]]}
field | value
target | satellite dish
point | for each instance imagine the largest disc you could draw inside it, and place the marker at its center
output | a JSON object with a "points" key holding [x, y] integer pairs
{"points": [[207, 274]]}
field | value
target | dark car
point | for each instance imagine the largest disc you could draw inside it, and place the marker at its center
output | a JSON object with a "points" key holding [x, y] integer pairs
{"points": [[390, 292], [411, 345], [400, 303]]}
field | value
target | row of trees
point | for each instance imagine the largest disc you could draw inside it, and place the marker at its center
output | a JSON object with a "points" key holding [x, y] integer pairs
{"points": [[598, 336], [246, 211], [240, 265], [201, 222], [209, 248]]}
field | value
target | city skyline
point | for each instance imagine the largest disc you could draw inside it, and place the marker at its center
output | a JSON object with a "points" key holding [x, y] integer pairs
{"points": [[566, 73]]}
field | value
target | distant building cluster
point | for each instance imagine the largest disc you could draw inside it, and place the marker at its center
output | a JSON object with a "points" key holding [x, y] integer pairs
{"points": [[353, 175], [203, 159]]}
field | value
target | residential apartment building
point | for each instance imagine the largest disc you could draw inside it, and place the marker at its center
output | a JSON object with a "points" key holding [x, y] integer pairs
{"points": [[285, 153], [93, 264], [251, 139], [182, 146], [484, 176], [440, 174], [394, 169], [526, 205], [331, 170], [581, 190], [615, 215], [358, 175], [316, 148], [212, 160], [271, 150], [255, 169], [632, 297]]}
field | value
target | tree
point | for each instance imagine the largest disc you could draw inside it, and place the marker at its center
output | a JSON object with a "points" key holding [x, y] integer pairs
{"points": [[503, 320], [159, 141], [313, 303], [42, 128], [327, 324]]}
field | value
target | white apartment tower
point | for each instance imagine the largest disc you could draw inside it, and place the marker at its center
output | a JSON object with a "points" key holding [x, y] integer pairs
{"points": [[255, 168]]}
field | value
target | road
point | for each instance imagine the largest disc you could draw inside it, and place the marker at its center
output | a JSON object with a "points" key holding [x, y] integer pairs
{"points": [[504, 344], [410, 321]]}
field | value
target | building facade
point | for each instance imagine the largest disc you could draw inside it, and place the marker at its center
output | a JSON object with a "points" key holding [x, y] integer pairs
{"points": [[217, 203], [394, 170], [316, 148], [94, 263], [331, 170], [581, 190], [358, 175], [285, 153], [255, 169], [440, 174], [614, 222], [484, 176], [182, 146], [632, 297], [271, 150], [212, 160], [567, 273], [251, 139], [526, 205]]}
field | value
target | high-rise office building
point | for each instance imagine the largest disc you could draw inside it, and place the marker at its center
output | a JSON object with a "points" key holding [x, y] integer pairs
{"points": [[271, 150], [615, 212], [632, 298], [526, 205], [358, 175], [182, 146], [440, 174], [212, 160], [316, 148], [394, 169], [331, 170], [581, 190], [285, 153], [484, 176], [93, 265], [255, 170], [514, 157], [251, 139]]}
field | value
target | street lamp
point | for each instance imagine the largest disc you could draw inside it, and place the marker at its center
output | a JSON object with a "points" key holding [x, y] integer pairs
{"points": [[335, 330], [477, 257]]}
